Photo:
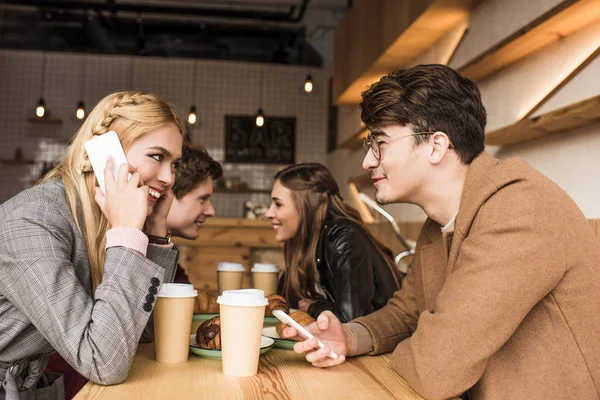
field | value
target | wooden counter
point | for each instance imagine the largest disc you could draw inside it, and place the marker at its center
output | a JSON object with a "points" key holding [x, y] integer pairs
{"points": [[236, 240], [249, 241], [282, 374]]}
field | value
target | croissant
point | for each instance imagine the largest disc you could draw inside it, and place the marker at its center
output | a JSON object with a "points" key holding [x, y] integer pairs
{"points": [[276, 302], [300, 317], [205, 303], [208, 335]]}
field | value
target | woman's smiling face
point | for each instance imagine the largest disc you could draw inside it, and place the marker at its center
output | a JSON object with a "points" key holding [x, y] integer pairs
{"points": [[155, 155], [283, 213]]}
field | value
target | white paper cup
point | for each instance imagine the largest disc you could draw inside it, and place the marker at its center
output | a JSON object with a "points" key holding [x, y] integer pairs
{"points": [[242, 315], [173, 314], [265, 277], [230, 276]]}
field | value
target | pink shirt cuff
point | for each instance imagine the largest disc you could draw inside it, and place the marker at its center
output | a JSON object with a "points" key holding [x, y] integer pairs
{"points": [[164, 246], [127, 237]]}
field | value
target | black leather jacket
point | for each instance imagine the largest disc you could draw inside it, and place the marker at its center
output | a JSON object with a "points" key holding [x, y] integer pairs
{"points": [[353, 274]]}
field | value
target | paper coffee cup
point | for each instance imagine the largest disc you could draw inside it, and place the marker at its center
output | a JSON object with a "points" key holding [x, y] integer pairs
{"points": [[242, 314], [173, 314], [265, 277], [230, 276]]}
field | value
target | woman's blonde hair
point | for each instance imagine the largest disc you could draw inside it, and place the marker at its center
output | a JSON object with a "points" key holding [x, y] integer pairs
{"points": [[131, 115], [317, 199]]}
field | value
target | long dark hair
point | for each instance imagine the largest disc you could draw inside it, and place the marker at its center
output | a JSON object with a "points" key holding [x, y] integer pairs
{"points": [[317, 198]]}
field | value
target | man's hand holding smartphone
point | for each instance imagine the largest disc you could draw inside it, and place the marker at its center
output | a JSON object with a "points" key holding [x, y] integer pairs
{"points": [[328, 329]]}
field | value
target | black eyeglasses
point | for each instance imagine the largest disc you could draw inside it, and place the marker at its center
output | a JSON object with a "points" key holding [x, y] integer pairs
{"points": [[371, 143]]}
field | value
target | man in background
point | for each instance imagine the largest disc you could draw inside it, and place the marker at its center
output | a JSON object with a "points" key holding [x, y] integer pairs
{"points": [[193, 189]]}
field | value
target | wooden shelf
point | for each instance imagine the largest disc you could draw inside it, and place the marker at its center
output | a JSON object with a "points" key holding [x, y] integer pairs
{"points": [[354, 142], [236, 191], [569, 117], [547, 29], [13, 161], [50, 120], [376, 37], [235, 233]]}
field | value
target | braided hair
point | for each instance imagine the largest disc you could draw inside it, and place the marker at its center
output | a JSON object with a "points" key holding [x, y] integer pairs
{"points": [[131, 114]]}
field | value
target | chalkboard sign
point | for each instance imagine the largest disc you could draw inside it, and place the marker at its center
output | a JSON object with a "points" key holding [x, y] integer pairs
{"points": [[272, 143]]}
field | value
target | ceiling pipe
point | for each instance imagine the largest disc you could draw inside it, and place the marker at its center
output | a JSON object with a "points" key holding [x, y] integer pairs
{"points": [[291, 16], [98, 34], [300, 14]]}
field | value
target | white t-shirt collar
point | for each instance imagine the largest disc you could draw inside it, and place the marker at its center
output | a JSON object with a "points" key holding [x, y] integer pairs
{"points": [[449, 227]]}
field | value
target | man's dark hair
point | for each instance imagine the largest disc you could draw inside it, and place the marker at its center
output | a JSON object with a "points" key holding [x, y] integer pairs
{"points": [[195, 168], [429, 98]]}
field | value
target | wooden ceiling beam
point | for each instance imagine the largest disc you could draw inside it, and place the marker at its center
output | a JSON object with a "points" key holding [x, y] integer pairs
{"points": [[378, 36], [542, 32]]}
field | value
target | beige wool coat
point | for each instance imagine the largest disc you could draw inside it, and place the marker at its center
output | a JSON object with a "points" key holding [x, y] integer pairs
{"points": [[508, 305]]}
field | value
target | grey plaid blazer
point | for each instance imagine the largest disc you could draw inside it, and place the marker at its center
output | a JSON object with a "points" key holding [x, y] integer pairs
{"points": [[45, 291]]}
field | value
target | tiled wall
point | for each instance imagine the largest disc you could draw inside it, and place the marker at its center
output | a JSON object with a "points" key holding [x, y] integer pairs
{"points": [[221, 88]]}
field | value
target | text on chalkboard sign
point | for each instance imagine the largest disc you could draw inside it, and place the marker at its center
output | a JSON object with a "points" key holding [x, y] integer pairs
{"points": [[272, 143]]}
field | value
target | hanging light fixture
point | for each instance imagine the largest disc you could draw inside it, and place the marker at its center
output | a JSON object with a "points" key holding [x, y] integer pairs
{"points": [[80, 113], [80, 110], [40, 110], [308, 84], [192, 117], [260, 116]]}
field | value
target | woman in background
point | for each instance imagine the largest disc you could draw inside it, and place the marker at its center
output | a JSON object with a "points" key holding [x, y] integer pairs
{"points": [[77, 273], [332, 261]]}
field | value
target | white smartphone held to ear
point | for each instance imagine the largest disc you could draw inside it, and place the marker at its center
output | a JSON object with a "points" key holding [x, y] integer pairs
{"points": [[99, 148], [289, 321]]}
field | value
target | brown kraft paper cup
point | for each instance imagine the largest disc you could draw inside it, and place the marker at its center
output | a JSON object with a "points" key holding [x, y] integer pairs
{"points": [[265, 277], [173, 322], [229, 276], [265, 281], [242, 315]]}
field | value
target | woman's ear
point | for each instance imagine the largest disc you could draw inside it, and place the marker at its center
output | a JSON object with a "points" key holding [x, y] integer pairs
{"points": [[440, 143]]}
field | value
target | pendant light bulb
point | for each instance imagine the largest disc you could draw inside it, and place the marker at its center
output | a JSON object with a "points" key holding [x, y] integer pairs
{"points": [[260, 118], [40, 111], [308, 84], [80, 113], [192, 115]]}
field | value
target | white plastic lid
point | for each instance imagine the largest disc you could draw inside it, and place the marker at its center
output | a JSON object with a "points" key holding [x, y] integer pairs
{"points": [[243, 298], [265, 268], [177, 290], [230, 267]]}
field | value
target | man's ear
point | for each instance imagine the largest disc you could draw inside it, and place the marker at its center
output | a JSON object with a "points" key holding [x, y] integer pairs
{"points": [[440, 143]]}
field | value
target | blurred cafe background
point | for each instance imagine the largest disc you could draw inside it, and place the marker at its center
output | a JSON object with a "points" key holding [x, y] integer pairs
{"points": [[266, 83]]}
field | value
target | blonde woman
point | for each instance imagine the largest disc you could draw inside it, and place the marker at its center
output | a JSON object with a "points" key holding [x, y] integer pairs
{"points": [[77, 273], [332, 261]]}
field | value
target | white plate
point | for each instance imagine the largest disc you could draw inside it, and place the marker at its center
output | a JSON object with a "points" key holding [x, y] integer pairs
{"points": [[280, 342], [266, 343]]}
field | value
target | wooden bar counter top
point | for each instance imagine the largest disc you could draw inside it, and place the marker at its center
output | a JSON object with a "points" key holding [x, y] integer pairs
{"points": [[282, 374]]}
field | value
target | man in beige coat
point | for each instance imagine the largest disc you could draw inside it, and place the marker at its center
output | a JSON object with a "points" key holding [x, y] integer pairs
{"points": [[503, 301]]}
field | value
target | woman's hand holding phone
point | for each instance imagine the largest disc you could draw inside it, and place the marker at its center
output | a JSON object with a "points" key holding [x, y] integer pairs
{"points": [[125, 204], [328, 329]]}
